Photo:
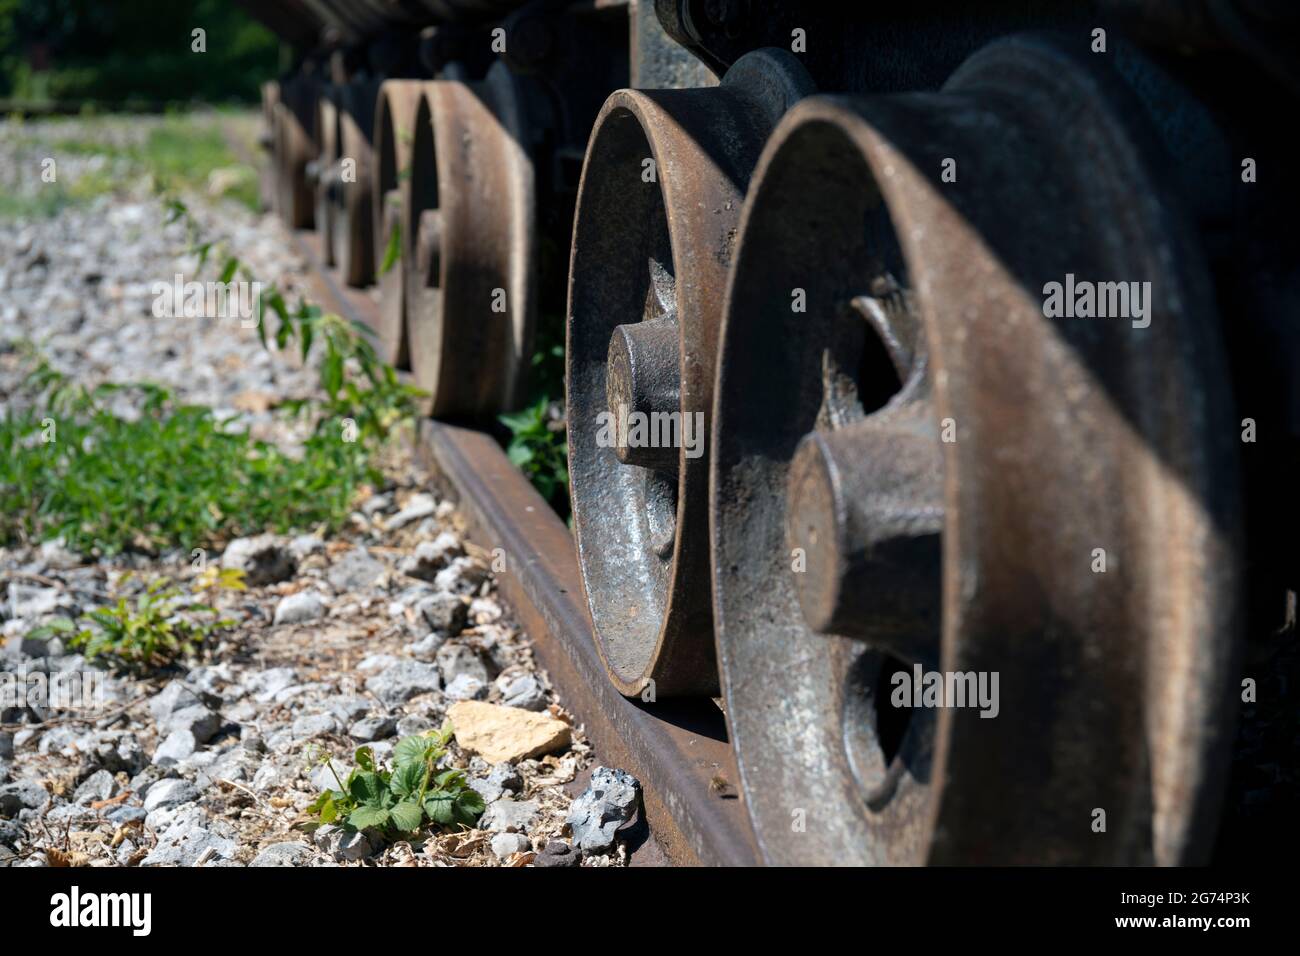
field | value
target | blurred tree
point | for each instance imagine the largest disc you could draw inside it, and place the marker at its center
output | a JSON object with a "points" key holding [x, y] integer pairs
{"points": [[123, 50]]}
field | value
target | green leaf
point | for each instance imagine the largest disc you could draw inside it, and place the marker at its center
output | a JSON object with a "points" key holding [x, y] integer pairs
{"points": [[441, 807], [331, 373], [228, 271], [365, 758], [364, 817], [393, 251], [366, 787], [407, 778], [413, 749], [407, 816], [469, 806]]}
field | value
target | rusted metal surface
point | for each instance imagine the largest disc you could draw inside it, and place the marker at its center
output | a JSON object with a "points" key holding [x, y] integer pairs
{"points": [[323, 173], [1067, 435], [351, 184], [659, 202], [267, 166], [394, 176], [471, 279], [294, 135]]}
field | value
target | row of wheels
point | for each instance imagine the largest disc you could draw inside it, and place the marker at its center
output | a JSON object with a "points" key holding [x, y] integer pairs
{"points": [[884, 457]]}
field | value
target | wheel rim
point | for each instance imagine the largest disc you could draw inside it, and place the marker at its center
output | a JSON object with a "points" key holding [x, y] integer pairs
{"points": [[1112, 690], [648, 270], [399, 103], [473, 234]]}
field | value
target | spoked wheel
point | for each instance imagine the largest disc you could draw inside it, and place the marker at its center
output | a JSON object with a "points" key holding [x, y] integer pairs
{"points": [[351, 185], [471, 288], [295, 147], [919, 466], [323, 173], [662, 188], [395, 117]]}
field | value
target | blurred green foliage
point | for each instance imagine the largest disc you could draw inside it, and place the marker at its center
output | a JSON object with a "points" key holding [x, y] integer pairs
{"points": [[131, 51]]}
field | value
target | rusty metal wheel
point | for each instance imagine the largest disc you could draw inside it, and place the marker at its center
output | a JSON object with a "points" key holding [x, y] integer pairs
{"points": [[295, 147], [395, 117], [267, 179], [350, 185], [914, 466], [471, 288], [662, 187], [322, 172]]}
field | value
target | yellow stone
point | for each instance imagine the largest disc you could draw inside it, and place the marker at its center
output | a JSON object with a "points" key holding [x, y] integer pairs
{"points": [[506, 734]]}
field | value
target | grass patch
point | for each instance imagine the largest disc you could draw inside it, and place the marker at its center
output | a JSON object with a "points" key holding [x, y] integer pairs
{"points": [[74, 465], [181, 154]]}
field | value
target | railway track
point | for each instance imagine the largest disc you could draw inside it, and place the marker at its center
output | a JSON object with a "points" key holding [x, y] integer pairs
{"points": [[945, 353]]}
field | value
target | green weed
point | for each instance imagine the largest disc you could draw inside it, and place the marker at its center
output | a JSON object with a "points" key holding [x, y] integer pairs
{"points": [[404, 798]]}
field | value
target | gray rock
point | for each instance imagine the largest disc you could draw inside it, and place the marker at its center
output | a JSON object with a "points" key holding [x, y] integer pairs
{"points": [[22, 795], [200, 721], [264, 559], [349, 709], [426, 649], [374, 663], [414, 724], [264, 685], [167, 794], [557, 854], [462, 576], [100, 785], [430, 557], [28, 601], [296, 608], [55, 554], [306, 545], [175, 696], [404, 680], [524, 692], [455, 660], [506, 845], [179, 745], [501, 779], [345, 847], [186, 845], [377, 503], [6, 745], [271, 776], [70, 813], [284, 854], [12, 833], [417, 507], [122, 815], [444, 613], [314, 725], [609, 802], [509, 815], [466, 687], [373, 728], [355, 571]]}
